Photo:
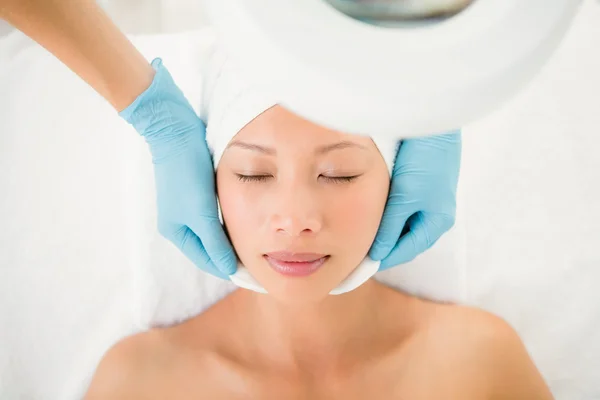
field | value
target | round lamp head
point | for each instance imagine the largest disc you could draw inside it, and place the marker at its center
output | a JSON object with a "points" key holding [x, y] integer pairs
{"points": [[392, 67]]}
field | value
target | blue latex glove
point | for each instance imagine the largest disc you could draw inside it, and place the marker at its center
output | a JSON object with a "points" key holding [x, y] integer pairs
{"points": [[183, 170], [421, 205]]}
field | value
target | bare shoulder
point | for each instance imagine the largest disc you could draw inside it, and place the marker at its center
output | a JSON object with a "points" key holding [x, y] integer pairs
{"points": [[126, 368], [158, 364], [488, 351]]}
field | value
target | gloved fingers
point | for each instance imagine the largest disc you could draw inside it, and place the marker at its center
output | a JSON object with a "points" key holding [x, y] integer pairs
{"points": [[191, 246], [215, 242], [394, 219], [424, 230]]}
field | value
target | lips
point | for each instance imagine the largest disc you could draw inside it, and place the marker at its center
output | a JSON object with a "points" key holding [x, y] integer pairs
{"points": [[295, 264]]}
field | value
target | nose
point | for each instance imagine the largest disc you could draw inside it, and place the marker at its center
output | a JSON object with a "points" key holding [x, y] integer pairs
{"points": [[295, 212]]}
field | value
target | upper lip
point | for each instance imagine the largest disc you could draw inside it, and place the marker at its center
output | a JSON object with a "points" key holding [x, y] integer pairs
{"points": [[290, 256]]}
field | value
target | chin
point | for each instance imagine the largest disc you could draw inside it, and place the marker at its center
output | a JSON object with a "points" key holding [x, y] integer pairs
{"points": [[297, 290], [293, 290], [296, 296]]}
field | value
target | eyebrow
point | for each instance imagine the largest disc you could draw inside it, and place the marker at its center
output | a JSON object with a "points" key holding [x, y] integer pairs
{"points": [[319, 150], [251, 146]]}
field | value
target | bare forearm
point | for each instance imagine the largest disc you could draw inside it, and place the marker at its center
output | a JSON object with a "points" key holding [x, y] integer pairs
{"points": [[83, 37]]}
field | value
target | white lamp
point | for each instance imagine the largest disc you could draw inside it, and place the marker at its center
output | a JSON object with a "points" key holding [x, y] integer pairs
{"points": [[413, 78]]}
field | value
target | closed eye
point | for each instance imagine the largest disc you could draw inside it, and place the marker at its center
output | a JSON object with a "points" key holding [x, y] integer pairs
{"points": [[339, 179], [252, 178], [263, 178]]}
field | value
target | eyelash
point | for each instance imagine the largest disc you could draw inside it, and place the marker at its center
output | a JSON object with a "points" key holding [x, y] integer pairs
{"points": [[252, 178], [262, 178], [340, 179]]}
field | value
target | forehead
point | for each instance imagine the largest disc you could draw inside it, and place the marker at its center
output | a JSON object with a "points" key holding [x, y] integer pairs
{"points": [[278, 125]]}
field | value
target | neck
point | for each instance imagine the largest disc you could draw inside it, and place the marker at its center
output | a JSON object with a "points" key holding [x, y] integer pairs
{"points": [[319, 335]]}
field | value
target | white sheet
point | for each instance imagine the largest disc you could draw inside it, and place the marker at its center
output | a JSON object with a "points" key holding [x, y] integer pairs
{"points": [[62, 197], [530, 182], [68, 211], [531, 179]]}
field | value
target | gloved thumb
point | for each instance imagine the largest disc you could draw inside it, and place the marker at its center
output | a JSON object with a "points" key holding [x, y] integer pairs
{"points": [[394, 219], [191, 246], [215, 243], [424, 230]]}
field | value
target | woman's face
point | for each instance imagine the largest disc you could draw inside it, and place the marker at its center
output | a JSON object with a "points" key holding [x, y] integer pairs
{"points": [[288, 187]]}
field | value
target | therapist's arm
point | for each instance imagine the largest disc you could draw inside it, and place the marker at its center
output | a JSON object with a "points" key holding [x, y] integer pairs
{"points": [[82, 36]]}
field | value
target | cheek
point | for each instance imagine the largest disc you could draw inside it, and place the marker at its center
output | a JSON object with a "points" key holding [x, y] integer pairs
{"points": [[358, 214], [239, 213]]}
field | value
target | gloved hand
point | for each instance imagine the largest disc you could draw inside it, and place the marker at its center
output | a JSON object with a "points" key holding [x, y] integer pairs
{"points": [[421, 205], [183, 170]]}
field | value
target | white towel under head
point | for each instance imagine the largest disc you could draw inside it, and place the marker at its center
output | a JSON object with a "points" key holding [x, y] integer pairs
{"points": [[231, 99]]}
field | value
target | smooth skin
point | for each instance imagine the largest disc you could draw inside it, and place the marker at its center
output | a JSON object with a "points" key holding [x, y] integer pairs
{"points": [[431, 352]]}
